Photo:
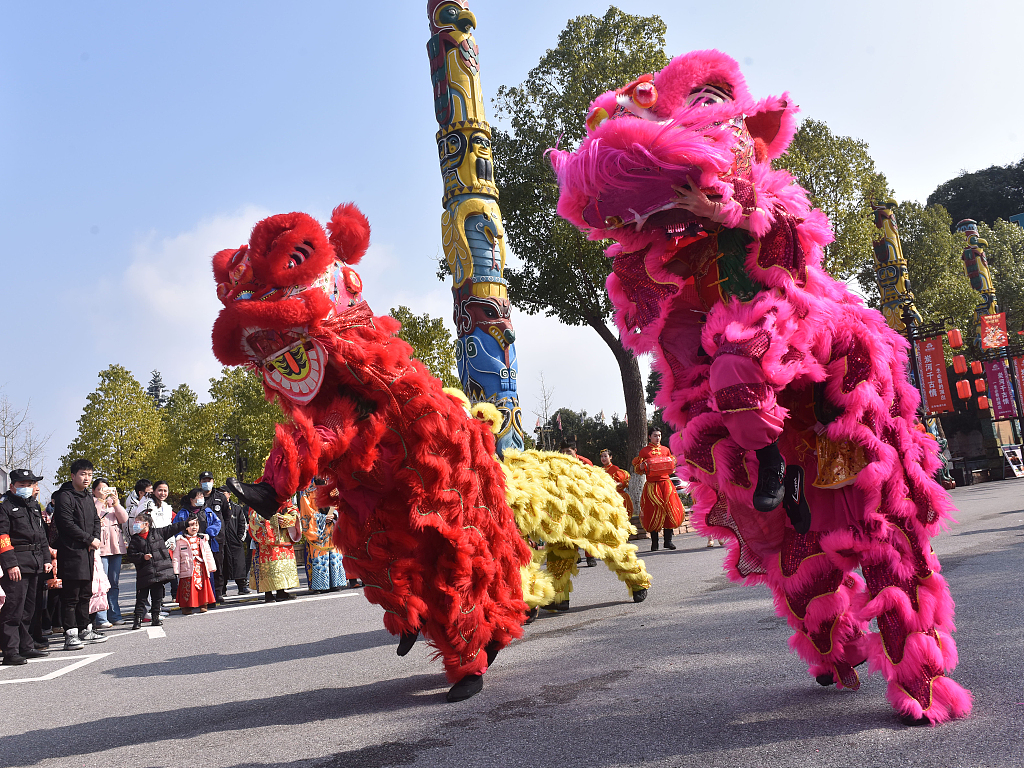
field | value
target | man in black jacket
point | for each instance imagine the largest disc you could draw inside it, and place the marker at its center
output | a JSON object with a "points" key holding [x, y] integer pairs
{"points": [[218, 502], [78, 537], [233, 549], [24, 558]]}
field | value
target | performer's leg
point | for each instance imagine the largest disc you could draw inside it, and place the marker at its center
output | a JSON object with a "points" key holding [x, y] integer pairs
{"points": [[668, 539], [913, 648], [654, 540], [819, 600], [630, 569], [561, 563]]}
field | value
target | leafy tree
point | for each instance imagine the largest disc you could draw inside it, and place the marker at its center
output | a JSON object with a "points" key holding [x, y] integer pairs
{"points": [[190, 442], [592, 434], [157, 390], [239, 408], [431, 342], [993, 193], [560, 272], [840, 177], [119, 430]]}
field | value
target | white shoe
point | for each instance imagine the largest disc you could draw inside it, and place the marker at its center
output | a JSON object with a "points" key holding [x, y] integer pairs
{"points": [[72, 641], [92, 636], [104, 625]]}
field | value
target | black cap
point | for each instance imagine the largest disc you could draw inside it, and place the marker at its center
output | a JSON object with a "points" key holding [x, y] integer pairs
{"points": [[23, 476], [206, 476]]}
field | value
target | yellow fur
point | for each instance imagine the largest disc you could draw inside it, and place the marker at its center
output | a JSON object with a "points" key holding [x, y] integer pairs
{"points": [[567, 504]]}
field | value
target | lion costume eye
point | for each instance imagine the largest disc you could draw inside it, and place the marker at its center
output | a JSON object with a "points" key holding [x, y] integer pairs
{"points": [[300, 254], [709, 93]]}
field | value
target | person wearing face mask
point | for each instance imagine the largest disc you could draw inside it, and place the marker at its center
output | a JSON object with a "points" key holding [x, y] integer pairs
{"points": [[217, 502], [24, 558], [153, 566]]}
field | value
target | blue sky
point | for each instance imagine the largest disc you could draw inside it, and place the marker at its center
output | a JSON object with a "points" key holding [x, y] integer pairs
{"points": [[136, 139]]}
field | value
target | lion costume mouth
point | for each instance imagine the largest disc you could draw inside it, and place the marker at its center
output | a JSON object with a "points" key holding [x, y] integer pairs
{"points": [[291, 362]]}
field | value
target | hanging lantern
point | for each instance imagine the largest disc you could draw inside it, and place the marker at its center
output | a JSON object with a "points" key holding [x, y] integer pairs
{"points": [[956, 339], [980, 386], [982, 403], [959, 364], [976, 368], [963, 389]]}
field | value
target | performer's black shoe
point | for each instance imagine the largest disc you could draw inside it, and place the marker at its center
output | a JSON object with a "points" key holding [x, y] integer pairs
{"points": [[259, 496], [771, 473], [268, 597], [137, 623], [640, 595], [407, 641], [914, 722], [283, 596], [491, 650], [467, 687], [591, 561], [34, 653], [17, 660], [244, 591], [668, 539], [654, 541], [825, 679], [531, 615], [795, 503], [556, 607]]}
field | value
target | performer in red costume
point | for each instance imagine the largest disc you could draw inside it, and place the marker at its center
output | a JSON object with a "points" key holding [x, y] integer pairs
{"points": [[620, 476], [423, 519], [660, 507]]}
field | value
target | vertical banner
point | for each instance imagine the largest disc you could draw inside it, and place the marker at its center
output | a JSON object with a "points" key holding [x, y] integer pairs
{"points": [[993, 331], [934, 383], [999, 390], [1017, 364]]}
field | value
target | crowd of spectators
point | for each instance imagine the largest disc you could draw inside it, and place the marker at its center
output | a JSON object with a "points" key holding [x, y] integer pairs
{"points": [[60, 566]]}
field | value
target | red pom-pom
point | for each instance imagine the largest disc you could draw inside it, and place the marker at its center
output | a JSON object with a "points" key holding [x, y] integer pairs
{"points": [[350, 233]]}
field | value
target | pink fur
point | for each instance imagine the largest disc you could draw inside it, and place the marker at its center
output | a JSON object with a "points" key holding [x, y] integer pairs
{"points": [[803, 328]]}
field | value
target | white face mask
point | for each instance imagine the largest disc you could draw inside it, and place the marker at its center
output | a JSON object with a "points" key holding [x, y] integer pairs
{"points": [[23, 493], [200, 503]]}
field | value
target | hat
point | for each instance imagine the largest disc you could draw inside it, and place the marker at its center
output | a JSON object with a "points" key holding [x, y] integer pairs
{"points": [[23, 476], [206, 476]]}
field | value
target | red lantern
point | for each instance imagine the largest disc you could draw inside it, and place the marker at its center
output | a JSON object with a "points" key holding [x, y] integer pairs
{"points": [[963, 389], [980, 386], [976, 368], [982, 403], [960, 364], [956, 339]]}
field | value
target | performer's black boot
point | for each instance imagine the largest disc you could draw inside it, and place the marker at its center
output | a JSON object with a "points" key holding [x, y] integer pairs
{"points": [[137, 623], [259, 496], [468, 686], [654, 541], [640, 595], [407, 641], [491, 650], [154, 611], [795, 503], [531, 615], [668, 539], [771, 473]]}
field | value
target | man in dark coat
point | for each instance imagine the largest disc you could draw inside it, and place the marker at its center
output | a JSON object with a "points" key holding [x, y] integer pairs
{"points": [[24, 558], [218, 502], [233, 549], [78, 537]]}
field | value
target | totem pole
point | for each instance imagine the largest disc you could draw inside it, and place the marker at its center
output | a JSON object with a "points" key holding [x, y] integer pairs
{"points": [[471, 231], [976, 265], [891, 270]]}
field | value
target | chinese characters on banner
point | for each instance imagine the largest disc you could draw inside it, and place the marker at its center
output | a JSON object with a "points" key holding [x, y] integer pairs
{"points": [[993, 331], [999, 390], [937, 397]]}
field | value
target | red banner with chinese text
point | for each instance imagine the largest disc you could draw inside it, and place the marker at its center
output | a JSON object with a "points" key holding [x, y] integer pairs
{"points": [[1000, 391], [993, 331], [937, 397]]}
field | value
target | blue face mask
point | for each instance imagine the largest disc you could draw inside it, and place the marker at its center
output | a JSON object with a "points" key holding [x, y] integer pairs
{"points": [[207, 487], [137, 527], [24, 493]]}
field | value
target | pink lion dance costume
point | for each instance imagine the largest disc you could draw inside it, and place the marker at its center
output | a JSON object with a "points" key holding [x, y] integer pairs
{"points": [[424, 521], [795, 416]]}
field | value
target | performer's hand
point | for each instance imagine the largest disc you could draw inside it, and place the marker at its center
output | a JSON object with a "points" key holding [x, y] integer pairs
{"points": [[694, 200], [14, 574]]}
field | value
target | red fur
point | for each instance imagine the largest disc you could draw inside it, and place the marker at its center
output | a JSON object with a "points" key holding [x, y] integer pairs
{"points": [[425, 523]]}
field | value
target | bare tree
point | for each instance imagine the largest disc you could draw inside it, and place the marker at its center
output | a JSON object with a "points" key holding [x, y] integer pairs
{"points": [[21, 445], [546, 433]]}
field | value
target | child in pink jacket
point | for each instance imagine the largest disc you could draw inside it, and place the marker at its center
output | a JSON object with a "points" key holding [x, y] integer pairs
{"points": [[193, 563]]}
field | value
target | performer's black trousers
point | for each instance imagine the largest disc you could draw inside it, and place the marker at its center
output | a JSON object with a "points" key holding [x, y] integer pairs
{"points": [[16, 613]]}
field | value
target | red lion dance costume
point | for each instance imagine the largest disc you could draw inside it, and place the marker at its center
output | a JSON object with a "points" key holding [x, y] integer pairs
{"points": [[772, 373], [424, 522]]}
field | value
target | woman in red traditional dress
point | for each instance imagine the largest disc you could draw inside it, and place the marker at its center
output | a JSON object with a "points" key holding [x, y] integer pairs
{"points": [[660, 507], [193, 562]]}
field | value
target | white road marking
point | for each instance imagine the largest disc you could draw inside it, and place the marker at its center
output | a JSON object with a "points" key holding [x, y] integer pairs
{"points": [[155, 632], [82, 661]]}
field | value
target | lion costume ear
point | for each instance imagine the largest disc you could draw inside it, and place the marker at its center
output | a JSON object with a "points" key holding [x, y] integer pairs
{"points": [[350, 233], [772, 126]]}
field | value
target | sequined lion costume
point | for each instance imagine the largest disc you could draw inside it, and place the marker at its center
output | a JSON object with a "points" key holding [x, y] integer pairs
{"points": [[424, 521], [795, 417]]}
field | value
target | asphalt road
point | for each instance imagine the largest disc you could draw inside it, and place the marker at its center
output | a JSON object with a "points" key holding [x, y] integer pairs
{"points": [[698, 675]]}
